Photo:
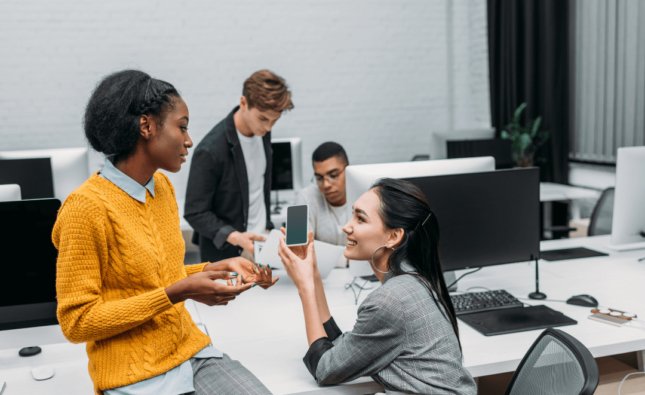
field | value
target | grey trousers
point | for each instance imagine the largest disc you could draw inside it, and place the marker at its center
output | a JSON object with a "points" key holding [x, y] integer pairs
{"points": [[224, 376]]}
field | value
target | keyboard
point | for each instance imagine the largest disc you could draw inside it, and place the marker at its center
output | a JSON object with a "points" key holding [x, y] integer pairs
{"points": [[475, 302]]}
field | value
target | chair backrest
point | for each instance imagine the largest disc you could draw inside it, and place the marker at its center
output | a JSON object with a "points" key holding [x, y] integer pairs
{"points": [[601, 217], [556, 363]]}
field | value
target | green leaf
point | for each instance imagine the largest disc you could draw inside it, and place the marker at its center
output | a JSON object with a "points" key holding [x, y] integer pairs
{"points": [[518, 113], [505, 135], [524, 142], [536, 126]]}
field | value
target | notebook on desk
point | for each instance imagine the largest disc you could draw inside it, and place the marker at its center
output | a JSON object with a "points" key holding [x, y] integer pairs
{"points": [[517, 319], [569, 253], [327, 255]]}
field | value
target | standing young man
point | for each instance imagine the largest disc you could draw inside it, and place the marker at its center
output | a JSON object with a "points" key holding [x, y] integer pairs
{"points": [[329, 210], [227, 197]]}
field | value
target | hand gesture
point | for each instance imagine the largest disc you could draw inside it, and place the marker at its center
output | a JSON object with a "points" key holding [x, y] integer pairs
{"points": [[203, 288], [251, 272], [244, 240]]}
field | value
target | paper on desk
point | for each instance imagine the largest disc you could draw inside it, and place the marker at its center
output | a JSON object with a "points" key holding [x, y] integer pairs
{"points": [[268, 253], [327, 254]]}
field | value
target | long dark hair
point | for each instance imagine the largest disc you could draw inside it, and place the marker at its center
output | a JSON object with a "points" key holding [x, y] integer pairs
{"points": [[404, 206], [113, 112]]}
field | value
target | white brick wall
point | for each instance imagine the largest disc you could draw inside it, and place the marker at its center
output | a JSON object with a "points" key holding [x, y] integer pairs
{"points": [[371, 74]]}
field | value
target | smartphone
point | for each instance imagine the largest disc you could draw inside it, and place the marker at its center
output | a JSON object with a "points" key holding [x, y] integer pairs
{"points": [[297, 224]]}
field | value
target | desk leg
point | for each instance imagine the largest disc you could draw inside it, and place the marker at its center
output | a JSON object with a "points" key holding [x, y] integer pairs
{"points": [[640, 360]]}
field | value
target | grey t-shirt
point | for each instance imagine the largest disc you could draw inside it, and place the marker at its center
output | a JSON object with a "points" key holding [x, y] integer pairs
{"points": [[325, 220]]}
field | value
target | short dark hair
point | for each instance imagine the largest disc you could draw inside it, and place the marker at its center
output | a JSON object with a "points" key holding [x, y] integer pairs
{"points": [[266, 90], [328, 150], [114, 110]]}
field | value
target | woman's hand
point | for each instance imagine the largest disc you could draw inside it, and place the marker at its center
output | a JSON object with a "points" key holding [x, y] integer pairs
{"points": [[248, 272], [300, 263], [301, 251], [203, 288]]}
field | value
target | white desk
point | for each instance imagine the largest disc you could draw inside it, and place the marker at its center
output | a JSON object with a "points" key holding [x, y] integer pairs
{"points": [[552, 192], [264, 329]]}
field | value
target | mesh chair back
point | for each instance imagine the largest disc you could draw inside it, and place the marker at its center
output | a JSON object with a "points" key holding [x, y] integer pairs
{"points": [[601, 217], [556, 364]]}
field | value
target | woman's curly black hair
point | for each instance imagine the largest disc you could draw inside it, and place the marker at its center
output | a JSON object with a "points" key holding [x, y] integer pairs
{"points": [[114, 110]]}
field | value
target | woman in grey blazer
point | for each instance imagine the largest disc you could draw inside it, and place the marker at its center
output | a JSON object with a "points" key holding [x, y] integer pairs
{"points": [[406, 334]]}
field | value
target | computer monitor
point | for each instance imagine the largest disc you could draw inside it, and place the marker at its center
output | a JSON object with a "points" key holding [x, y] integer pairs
{"points": [[286, 173], [487, 218], [10, 192], [69, 167], [438, 139], [34, 175], [497, 148], [359, 178], [28, 280], [628, 222]]}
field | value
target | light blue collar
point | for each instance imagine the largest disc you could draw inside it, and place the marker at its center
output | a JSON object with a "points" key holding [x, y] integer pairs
{"points": [[127, 184]]}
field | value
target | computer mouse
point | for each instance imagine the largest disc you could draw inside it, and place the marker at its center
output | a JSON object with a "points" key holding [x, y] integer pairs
{"points": [[42, 373], [583, 300]]}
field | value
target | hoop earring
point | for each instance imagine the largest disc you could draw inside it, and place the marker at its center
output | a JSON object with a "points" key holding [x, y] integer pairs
{"points": [[371, 260]]}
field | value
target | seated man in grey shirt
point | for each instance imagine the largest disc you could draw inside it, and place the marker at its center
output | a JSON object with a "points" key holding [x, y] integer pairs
{"points": [[327, 200]]}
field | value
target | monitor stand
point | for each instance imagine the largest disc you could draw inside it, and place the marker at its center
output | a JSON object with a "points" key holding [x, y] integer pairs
{"points": [[632, 242], [627, 247], [277, 208]]}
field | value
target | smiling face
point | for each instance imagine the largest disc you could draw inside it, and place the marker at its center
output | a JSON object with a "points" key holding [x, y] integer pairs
{"points": [[251, 121], [365, 230], [169, 140]]}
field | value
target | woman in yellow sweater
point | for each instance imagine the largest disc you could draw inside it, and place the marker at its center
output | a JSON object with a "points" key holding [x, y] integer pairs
{"points": [[121, 279]]}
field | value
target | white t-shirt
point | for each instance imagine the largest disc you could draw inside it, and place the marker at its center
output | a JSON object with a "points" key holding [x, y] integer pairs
{"points": [[325, 220], [256, 165]]}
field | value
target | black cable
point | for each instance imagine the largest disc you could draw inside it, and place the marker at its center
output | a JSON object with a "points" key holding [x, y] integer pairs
{"points": [[462, 276]]}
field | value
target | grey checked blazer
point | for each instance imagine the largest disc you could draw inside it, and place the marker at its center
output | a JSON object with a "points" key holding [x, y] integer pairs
{"points": [[401, 339]]}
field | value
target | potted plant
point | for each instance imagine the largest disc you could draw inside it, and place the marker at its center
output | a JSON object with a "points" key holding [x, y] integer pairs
{"points": [[525, 139]]}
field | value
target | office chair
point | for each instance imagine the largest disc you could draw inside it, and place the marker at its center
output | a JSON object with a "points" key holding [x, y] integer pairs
{"points": [[601, 217], [556, 363]]}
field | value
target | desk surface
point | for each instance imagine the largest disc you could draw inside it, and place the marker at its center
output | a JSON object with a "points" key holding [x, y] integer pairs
{"points": [[551, 192], [264, 329]]}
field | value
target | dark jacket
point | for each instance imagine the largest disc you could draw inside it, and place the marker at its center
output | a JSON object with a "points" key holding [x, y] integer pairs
{"points": [[217, 195]]}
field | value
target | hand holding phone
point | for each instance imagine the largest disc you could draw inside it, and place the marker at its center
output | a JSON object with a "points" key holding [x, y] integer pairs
{"points": [[297, 224]]}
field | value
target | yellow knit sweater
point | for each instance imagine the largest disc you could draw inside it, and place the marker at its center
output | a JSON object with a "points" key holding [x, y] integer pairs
{"points": [[116, 256]]}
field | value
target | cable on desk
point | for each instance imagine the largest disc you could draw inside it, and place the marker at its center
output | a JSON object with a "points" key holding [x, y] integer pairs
{"points": [[620, 386], [462, 276], [354, 284]]}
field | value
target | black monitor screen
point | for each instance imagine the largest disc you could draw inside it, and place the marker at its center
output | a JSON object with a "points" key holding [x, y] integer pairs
{"points": [[34, 175], [485, 218], [497, 148], [28, 280], [282, 171]]}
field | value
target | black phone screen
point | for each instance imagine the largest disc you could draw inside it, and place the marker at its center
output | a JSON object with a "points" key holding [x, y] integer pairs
{"points": [[297, 225]]}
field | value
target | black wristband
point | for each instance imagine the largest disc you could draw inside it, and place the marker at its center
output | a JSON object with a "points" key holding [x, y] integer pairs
{"points": [[332, 330], [315, 352]]}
